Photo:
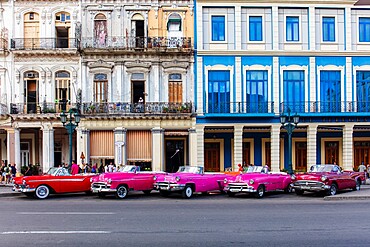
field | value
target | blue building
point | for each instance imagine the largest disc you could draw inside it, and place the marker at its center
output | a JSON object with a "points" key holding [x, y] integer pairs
{"points": [[256, 61]]}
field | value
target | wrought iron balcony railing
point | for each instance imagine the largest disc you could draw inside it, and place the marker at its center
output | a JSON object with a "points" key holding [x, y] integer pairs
{"points": [[39, 108], [241, 107], [42, 43], [129, 43], [3, 44], [326, 107], [136, 108]]}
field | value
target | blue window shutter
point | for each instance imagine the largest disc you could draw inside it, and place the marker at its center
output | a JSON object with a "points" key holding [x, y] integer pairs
{"points": [[364, 29], [219, 91], [255, 28], [363, 91], [292, 28], [256, 91], [218, 28], [328, 29], [294, 90], [330, 91]]}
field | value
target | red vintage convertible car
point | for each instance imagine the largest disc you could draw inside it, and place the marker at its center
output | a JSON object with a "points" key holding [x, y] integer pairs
{"points": [[326, 178], [57, 180]]}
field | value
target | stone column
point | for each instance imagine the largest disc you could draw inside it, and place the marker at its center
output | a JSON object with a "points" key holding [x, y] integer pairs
{"points": [[47, 147], [347, 161], [200, 146], [83, 144], [311, 145], [120, 154], [275, 148], [157, 149], [17, 148], [238, 146], [192, 146], [275, 28]]}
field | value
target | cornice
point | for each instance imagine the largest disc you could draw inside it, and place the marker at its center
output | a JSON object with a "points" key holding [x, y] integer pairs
{"points": [[285, 53], [277, 2]]}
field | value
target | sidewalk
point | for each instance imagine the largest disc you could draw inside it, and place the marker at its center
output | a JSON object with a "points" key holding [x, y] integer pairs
{"points": [[7, 190]]}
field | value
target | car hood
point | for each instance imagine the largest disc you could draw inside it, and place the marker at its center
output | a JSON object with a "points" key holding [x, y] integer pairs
{"points": [[311, 176]]}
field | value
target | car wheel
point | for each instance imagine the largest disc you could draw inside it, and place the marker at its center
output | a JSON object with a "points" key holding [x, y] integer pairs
{"points": [[299, 192], [231, 194], [260, 191], [333, 190], [121, 192], [147, 192], [358, 185], [42, 192], [187, 192], [164, 193]]}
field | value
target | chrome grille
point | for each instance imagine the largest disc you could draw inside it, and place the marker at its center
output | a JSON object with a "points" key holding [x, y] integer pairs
{"points": [[100, 185]]}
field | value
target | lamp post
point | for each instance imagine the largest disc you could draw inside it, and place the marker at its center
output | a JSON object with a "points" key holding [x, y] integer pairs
{"points": [[73, 121], [289, 123]]}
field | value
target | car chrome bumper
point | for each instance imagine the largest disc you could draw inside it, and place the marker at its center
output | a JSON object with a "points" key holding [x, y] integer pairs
{"points": [[310, 186], [169, 186], [240, 188], [23, 189], [100, 187]]}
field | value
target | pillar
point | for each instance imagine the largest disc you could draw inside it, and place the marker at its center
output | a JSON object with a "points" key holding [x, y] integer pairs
{"points": [[157, 149], [275, 148], [238, 146], [17, 148], [192, 146], [347, 161], [120, 151], [83, 144], [200, 146], [311, 145], [47, 147]]}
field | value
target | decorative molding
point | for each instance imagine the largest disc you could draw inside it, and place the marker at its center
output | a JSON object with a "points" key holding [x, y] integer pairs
{"points": [[100, 64]]}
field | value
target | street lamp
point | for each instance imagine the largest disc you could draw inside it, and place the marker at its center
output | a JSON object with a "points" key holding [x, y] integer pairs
{"points": [[289, 123], [73, 121]]}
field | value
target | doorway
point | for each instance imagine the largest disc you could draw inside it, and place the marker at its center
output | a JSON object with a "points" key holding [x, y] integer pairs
{"points": [[138, 31], [57, 158], [25, 154], [332, 152], [175, 155], [31, 95], [212, 156], [301, 156], [361, 154], [246, 153], [138, 93]]}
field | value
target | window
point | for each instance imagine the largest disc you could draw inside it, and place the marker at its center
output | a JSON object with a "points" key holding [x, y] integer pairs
{"points": [[174, 22], [294, 90], [219, 91], [218, 28], [256, 91], [63, 17], [328, 29], [330, 93], [100, 88], [175, 88], [62, 90], [363, 91], [292, 28], [255, 28], [364, 29], [100, 30]]}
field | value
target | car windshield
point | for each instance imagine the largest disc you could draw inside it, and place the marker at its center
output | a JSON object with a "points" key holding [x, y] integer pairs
{"points": [[259, 169], [58, 171], [129, 169], [190, 169], [324, 168], [52, 171]]}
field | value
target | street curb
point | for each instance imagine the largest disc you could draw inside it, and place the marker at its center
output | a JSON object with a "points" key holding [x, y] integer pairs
{"points": [[338, 198]]}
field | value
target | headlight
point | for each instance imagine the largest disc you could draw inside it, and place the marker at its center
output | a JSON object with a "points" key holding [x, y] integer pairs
{"points": [[155, 178], [251, 181], [24, 182], [225, 181], [324, 178], [177, 178], [109, 181], [293, 177], [91, 180]]}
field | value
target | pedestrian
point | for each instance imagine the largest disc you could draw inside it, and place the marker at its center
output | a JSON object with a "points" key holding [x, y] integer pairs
{"points": [[101, 168], [29, 170], [362, 167], [13, 171], [240, 168], [7, 174], [2, 172], [368, 170]]}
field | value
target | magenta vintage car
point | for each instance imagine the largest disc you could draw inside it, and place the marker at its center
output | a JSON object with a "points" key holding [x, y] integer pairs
{"points": [[326, 178], [130, 178], [188, 180], [258, 180]]}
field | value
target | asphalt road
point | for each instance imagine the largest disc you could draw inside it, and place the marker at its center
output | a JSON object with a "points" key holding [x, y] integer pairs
{"points": [[212, 220]]}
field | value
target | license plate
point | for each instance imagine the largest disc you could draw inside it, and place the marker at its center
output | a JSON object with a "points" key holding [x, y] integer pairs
{"points": [[163, 188], [305, 187]]}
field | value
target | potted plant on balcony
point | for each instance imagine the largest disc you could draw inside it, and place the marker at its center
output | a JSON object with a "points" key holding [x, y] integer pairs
{"points": [[165, 110]]}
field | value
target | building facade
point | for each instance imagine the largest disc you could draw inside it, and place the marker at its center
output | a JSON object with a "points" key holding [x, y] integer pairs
{"points": [[256, 61]]}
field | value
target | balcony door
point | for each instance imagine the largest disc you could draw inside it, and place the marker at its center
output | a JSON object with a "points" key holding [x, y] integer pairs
{"points": [[30, 91], [174, 31], [331, 152], [62, 29], [301, 156], [175, 155], [137, 30], [31, 30], [361, 153]]}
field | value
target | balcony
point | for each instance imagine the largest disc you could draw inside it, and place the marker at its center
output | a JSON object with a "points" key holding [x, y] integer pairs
{"points": [[135, 43], [43, 43], [322, 107], [241, 108], [3, 44], [36, 108]]}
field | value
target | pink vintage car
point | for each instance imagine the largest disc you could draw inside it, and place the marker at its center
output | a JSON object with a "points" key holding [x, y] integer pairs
{"points": [[328, 179], [120, 183], [190, 179], [258, 180]]}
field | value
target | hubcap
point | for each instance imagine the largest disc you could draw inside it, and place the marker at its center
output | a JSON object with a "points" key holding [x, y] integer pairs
{"points": [[260, 192], [333, 190], [122, 192], [188, 192]]}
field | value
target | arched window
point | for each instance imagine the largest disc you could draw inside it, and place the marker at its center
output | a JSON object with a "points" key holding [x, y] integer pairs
{"points": [[62, 90], [100, 88], [62, 29], [100, 30], [174, 22]]}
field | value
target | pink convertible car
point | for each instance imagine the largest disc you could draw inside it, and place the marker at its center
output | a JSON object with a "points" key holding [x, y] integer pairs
{"points": [[120, 183], [258, 180], [188, 180]]}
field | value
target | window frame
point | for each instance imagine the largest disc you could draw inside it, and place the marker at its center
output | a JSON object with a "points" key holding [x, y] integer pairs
{"points": [[324, 34], [338, 87], [249, 82], [227, 98], [302, 91], [249, 29], [289, 24], [224, 31], [359, 27]]}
